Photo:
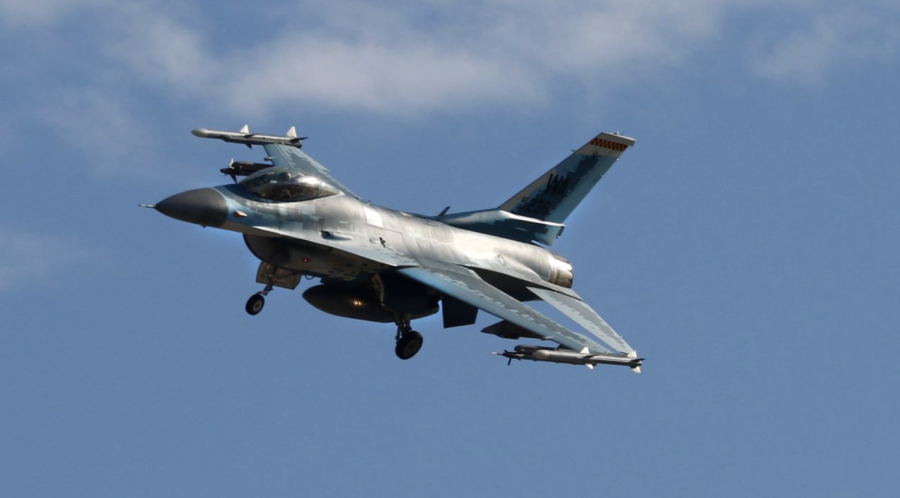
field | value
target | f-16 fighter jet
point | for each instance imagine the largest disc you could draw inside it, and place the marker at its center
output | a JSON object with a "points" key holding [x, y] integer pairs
{"points": [[382, 265]]}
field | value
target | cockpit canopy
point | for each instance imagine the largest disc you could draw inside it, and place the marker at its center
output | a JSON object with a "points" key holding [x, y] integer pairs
{"points": [[286, 184]]}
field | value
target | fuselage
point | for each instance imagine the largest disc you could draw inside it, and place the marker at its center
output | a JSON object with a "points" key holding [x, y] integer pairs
{"points": [[343, 238]]}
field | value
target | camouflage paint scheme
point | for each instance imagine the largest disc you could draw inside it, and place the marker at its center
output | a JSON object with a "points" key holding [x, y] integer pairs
{"points": [[395, 266]]}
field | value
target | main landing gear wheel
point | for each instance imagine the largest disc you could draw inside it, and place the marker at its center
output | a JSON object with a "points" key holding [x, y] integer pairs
{"points": [[255, 304], [409, 342], [408, 345], [257, 301]]}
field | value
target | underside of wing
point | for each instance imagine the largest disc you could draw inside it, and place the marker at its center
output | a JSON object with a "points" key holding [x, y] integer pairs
{"points": [[585, 316], [465, 285], [292, 157], [520, 320]]}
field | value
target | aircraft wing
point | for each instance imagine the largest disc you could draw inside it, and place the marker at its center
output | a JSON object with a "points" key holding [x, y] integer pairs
{"points": [[584, 315], [465, 285], [283, 151], [292, 157]]}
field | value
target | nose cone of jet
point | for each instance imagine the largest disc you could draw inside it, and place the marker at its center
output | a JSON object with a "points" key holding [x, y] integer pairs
{"points": [[203, 206]]}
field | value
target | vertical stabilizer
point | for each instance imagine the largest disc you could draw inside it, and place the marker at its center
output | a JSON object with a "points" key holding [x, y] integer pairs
{"points": [[554, 196]]}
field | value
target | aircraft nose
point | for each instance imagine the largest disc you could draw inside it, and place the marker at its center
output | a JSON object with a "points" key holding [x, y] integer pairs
{"points": [[203, 206]]}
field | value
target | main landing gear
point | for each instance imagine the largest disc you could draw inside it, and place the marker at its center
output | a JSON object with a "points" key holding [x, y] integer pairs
{"points": [[257, 301], [409, 342]]}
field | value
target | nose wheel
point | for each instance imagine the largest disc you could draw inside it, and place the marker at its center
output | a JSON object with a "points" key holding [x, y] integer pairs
{"points": [[257, 301], [409, 342]]}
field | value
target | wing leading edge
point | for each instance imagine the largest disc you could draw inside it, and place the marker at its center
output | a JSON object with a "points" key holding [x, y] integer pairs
{"points": [[466, 286], [283, 151]]}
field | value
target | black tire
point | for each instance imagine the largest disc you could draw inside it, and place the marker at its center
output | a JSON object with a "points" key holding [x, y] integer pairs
{"points": [[408, 345], [255, 304]]}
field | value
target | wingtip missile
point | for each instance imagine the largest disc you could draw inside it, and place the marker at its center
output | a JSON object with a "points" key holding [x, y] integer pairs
{"points": [[567, 356], [250, 139], [637, 367]]}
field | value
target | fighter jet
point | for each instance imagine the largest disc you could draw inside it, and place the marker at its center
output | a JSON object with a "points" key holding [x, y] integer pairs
{"points": [[389, 266]]}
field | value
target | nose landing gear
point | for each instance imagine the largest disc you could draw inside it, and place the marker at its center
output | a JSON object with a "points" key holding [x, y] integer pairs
{"points": [[257, 301], [409, 342]]}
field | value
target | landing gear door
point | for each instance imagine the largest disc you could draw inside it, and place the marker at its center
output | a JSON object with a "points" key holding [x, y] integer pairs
{"points": [[278, 277]]}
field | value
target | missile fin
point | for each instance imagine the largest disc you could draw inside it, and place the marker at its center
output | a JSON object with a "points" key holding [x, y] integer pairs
{"points": [[589, 365], [292, 132], [637, 369], [245, 130]]}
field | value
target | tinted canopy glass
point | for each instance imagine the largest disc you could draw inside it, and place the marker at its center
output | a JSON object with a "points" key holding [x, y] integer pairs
{"points": [[286, 184]]}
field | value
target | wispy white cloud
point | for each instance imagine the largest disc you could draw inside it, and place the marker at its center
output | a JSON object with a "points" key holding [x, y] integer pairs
{"points": [[385, 77], [28, 257], [824, 43], [30, 14], [438, 55], [582, 39], [101, 124], [413, 59], [157, 48]]}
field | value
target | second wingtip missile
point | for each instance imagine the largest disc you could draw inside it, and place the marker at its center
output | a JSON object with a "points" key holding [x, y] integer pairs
{"points": [[250, 139], [583, 357]]}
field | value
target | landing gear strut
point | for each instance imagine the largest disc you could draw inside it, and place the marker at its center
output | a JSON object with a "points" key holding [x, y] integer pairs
{"points": [[409, 342], [257, 301]]}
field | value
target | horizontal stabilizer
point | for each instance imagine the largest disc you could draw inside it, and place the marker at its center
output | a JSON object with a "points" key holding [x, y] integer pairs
{"points": [[504, 224]]}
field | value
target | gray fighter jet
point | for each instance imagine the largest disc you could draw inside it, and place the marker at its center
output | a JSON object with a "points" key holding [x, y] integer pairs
{"points": [[390, 266]]}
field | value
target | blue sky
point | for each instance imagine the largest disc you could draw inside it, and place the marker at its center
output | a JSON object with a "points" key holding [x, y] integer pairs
{"points": [[746, 246]]}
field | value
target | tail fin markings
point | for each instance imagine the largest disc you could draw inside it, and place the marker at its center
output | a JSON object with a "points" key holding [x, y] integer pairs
{"points": [[554, 195]]}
